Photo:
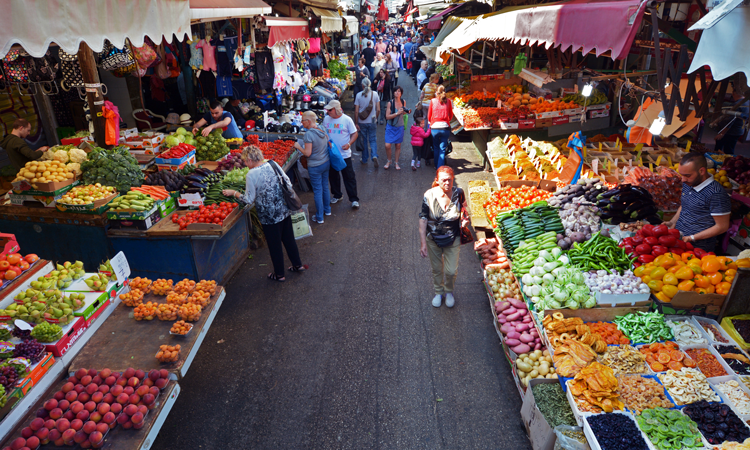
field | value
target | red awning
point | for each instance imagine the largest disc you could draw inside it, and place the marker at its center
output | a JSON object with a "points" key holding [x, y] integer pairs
{"points": [[437, 20], [383, 11], [286, 29]]}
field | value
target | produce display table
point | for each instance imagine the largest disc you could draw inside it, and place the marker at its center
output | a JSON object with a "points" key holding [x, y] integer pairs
{"points": [[124, 342], [59, 236], [166, 252], [119, 438]]}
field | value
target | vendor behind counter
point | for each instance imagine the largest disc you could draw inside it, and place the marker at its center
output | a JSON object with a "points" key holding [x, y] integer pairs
{"points": [[705, 205], [15, 145]]}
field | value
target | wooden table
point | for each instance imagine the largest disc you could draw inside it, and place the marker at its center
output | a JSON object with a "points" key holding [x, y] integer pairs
{"points": [[122, 342], [119, 438]]}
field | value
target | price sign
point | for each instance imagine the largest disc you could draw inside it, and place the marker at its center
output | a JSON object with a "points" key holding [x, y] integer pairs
{"points": [[638, 148], [595, 166], [120, 267], [23, 325]]}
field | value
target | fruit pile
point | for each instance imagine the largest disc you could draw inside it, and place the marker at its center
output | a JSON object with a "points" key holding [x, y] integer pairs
{"points": [[176, 298], [60, 310], [737, 168], [142, 284], [663, 356], [161, 286], [90, 404], [145, 311], [30, 349], [670, 273], [98, 282], [46, 332], [181, 327], [178, 151], [168, 353], [652, 241], [45, 172], [190, 312], [8, 376], [88, 194], [507, 198], [206, 286], [185, 286], [12, 265], [722, 178], [215, 213], [166, 311], [276, 151], [211, 148], [135, 201], [200, 298], [132, 298], [482, 117]]}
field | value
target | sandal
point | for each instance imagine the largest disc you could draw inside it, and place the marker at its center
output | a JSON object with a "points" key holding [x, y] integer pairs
{"points": [[301, 268], [398, 167], [387, 165], [273, 276]]}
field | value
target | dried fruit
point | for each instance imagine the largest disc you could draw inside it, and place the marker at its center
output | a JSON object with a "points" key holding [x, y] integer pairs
{"points": [[616, 432], [669, 429], [707, 362], [687, 386], [640, 393], [595, 388], [623, 359], [717, 422]]}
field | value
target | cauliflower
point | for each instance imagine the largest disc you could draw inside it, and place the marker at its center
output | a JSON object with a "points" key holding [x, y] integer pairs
{"points": [[61, 155], [74, 167], [49, 155], [77, 155]]}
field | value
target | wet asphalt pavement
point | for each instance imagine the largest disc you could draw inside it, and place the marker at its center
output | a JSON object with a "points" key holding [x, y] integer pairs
{"points": [[351, 354]]}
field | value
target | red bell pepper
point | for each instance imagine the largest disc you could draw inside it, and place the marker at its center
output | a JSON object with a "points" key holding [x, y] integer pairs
{"points": [[628, 249], [638, 239], [647, 230], [658, 250], [675, 232], [660, 230], [645, 259], [667, 240], [627, 241], [699, 252], [676, 250], [651, 240], [688, 245], [643, 249]]}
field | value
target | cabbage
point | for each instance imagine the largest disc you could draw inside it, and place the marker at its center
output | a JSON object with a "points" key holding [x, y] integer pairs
{"points": [[171, 141], [182, 131]]}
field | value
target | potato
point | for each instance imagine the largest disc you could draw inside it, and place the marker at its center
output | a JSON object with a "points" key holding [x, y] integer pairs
{"points": [[28, 174], [543, 370], [534, 373]]}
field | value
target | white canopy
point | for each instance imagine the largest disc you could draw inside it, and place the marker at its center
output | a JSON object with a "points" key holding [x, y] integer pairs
{"points": [[211, 10], [725, 47], [352, 25], [330, 21], [451, 24], [35, 24]]}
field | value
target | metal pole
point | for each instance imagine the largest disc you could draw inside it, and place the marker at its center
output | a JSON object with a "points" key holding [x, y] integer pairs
{"points": [[93, 88]]}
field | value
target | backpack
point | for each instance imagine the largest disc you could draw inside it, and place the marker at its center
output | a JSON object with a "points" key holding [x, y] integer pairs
{"points": [[71, 71]]}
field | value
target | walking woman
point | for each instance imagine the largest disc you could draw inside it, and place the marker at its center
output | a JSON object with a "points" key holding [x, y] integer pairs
{"points": [[394, 128], [318, 163], [263, 187], [392, 64], [383, 86], [439, 116], [440, 222]]}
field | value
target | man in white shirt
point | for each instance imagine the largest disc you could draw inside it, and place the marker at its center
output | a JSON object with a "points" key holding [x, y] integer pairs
{"points": [[367, 100], [343, 132]]}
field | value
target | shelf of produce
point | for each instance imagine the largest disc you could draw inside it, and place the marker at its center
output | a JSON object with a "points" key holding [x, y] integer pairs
{"points": [[32, 396], [166, 227], [39, 268], [124, 342], [186, 254], [116, 439]]}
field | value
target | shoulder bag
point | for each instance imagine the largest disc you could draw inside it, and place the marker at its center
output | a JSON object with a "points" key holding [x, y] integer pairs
{"points": [[466, 236], [112, 58], [14, 66], [290, 197], [363, 115]]}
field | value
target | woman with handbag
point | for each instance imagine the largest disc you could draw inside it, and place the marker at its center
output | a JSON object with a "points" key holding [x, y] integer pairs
{"points": [[442, 221], [318, 163], [263, 187]]}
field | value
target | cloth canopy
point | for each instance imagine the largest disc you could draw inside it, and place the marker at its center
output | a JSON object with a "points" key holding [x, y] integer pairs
{"points": [[559, 24], [352, 25], [286, 29], [70, 22], [462, 37], [451, 23], [330, 21], [382, 11], [436, 20], [725, 47], [212, 10]]}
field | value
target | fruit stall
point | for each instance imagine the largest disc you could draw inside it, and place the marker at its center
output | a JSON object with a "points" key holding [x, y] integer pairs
{"points": [[614, 327], [136, 337]]}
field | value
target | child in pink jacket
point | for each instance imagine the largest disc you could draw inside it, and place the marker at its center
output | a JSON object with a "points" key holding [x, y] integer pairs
{"points": [[418, 135]]}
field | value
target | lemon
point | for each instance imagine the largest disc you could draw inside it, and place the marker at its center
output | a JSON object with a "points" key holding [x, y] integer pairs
{"points": [[724, 179], [722, 172]]}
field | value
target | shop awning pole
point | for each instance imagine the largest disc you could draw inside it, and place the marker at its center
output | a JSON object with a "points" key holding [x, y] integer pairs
{"points": [[95, 99]]}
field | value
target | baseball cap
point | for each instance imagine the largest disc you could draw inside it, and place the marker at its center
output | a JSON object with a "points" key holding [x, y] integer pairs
{"points": [[332, 104]]}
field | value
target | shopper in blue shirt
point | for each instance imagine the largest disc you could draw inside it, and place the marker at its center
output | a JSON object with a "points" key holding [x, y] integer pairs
{"points": [[218, 118], [407, 52]]}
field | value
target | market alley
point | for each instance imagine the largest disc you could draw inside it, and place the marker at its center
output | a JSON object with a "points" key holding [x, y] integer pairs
{"points": [[351, 354]]}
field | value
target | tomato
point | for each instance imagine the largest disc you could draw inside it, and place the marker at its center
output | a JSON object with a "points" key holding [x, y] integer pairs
{"points": [[31, 258], [14, 258], [4, 265]]}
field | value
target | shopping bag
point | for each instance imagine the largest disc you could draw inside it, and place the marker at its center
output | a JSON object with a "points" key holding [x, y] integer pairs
{"points": [[334, 154], [301, 223]]}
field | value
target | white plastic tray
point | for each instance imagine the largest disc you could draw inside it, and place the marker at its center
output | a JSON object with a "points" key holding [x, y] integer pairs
{"points": [[594, 443], [736, 347], [704, 320], [713, 352], [714, 382], [696, 327]]}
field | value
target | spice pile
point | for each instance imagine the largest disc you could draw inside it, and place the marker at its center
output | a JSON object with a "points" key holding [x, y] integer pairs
{"points": [[554, 406]]}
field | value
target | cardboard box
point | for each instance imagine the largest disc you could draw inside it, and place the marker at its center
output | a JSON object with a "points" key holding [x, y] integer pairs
{"points": [[692, 304], [97, 207], [549, 114], [606, 106], [14, 396], [137, 224], [36, 372], [541, 434], [191, 160], [176, 161], [46, 201], [207, 226], [167, 206], [71, 333], [52, 189], [560, 120], [152, 140], [144, 161], [93, 302], [75, 141], [598, 113], [507, 125], [543, 123], [188, 200], [575, 118], [526, 124], [132, 214], [8, 244], [572, 111]]}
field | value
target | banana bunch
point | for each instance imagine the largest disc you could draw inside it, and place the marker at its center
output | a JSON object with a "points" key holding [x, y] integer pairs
{"points": [[132, 201], [596, 98]]}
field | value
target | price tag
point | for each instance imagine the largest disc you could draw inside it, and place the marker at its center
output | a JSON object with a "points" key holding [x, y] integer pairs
{"points": [[190, 200], [584, 152], [687, 147], [595, 166], [23, 325], [617, 142], [638, 148], [608, 166], [120, 267], [650, 167]]}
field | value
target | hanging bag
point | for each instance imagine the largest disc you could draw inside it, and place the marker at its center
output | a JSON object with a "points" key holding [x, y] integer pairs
{"points": [[14, 66], [144, 55], [290, 197], [334, 154], [43, 69], [112, 58], [71, 71]]}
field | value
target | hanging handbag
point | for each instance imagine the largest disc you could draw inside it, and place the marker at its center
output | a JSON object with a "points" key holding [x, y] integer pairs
{"points": [[290, 197], [71, 71], [111, 57], [43, 69], [14, 66], [161, 70], [145, 55]]}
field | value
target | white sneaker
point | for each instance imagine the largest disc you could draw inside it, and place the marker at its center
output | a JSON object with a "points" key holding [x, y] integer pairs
{"points": [[437, 300], [418, 164], [336, 200], [355, 205], [449, 300]]}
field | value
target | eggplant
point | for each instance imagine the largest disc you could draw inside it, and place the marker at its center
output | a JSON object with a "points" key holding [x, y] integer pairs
{"points": [[628, 196], [654, 219], [196, 178], [602, 203], [638, 205], [191, 191], [618, 206], [643, 212], [642, 191], [194, 184]]}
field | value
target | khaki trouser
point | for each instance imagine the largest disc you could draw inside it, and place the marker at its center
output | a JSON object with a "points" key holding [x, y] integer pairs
{"points": [[444, 263]]}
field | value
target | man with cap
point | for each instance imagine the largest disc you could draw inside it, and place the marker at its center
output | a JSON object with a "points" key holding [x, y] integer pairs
{"points": [[380, 47], [343, 132], [219, 119]]}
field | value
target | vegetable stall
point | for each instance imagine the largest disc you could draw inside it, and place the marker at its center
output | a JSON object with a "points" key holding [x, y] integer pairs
{"points": [[615, 328]]}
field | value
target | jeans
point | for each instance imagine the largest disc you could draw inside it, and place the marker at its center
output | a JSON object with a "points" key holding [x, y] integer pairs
{"points": [[369, 139], [440, 139], [276, 234], [350, 182], [320, 189]]}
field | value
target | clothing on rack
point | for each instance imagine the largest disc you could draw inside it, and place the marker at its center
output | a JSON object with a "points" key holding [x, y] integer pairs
{"points": [[209, 55]]}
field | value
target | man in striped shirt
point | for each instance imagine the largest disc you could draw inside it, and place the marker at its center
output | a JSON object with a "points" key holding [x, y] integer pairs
{"points": [[705, 207]]}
